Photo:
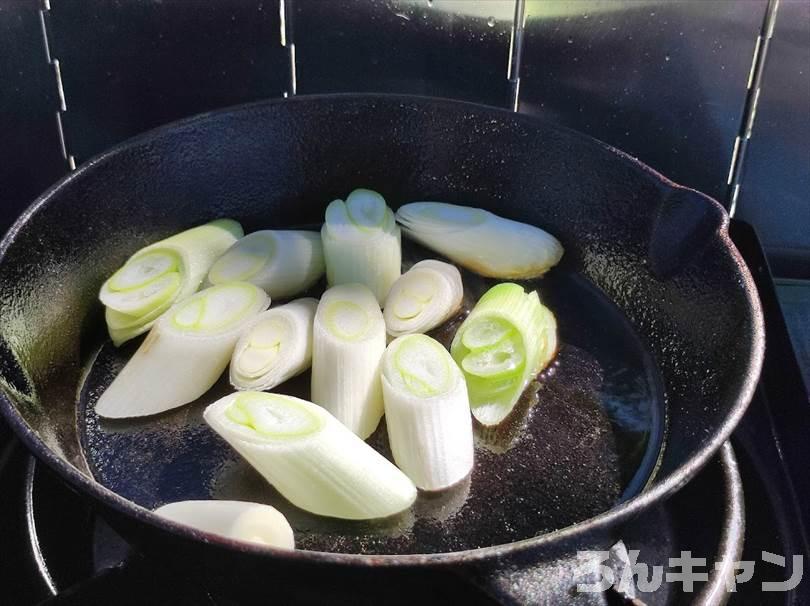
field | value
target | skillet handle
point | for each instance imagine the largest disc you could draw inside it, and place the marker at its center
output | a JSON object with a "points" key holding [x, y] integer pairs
{"points": [[684, 224], [133, 582], [517, 582]]}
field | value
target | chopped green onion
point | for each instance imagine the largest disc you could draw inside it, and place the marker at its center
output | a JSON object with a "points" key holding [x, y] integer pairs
{"points": [[426, 295], [282, 262], [427, 412], [275, 347], [161, 274], [507, 339], [348, 341], [312, 459], [185, 353], [481, 241], [362, 243], [238, 520]]}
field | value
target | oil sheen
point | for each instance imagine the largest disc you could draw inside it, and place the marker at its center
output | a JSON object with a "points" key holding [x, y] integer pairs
{"points": [[584, 436]]}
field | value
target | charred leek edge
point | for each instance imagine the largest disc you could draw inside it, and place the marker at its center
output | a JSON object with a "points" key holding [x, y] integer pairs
{"points": [[427, 412], [284, 263], [275, 347], [185, 353], [160, 274], [481, 241], [348, 341], [310, 457], [422, 298], [506, 340], [238, 520], [362, 243], [444, 504]]}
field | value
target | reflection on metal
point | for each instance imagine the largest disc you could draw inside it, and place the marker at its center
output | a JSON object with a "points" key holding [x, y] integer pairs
{"points": [[664, 81], [447, 48], [282, 17], [734, 155], [285, 13], [60, 89], [44, 29], [730, 551], [754, 63], [61, 132], [293, 70], [30, 521], [775, 184], [516, 52], [754, 87]]}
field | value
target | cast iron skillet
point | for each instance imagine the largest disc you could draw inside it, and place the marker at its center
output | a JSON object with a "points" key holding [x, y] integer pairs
{"points": [[662, 330]]}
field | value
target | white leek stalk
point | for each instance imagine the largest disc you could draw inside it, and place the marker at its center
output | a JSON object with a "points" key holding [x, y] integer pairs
{"points": [[123, 327], [507, 339], [282, 262], [238, 520], [362, 243], [426, 295], [185, 352], [312, 459], [160, 274], [427, 412], [348, 341], [275, 347], [481, 241]]}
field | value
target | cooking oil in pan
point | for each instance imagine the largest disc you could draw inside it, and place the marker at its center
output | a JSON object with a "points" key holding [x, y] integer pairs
{"points": [[585, 435]]}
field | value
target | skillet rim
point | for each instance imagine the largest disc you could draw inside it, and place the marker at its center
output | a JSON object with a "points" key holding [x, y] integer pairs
{"points": [[617, 514]]}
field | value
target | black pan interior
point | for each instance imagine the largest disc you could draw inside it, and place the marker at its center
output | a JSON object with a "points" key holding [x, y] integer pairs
{"points": [[655, 309], [585, 434]]}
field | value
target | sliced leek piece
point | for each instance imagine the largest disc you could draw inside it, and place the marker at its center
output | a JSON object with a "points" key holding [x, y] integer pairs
{"points": [[481, 241], [362, 243], [348, 341], [507, 339], [185, 353], [123, 327], [161, 274], [311, 458], [275, 347], [427, 412], [426, 295], [238, 520], [282, 262]]}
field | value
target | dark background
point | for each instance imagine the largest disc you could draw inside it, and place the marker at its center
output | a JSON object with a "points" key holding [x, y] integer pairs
{"points": [[664, 81]]}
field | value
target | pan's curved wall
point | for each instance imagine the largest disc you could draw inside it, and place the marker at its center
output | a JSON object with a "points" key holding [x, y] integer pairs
{"points": [[270, 165]]}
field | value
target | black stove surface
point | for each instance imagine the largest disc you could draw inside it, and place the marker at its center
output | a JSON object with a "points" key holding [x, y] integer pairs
{"points": [[54, 550]]}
